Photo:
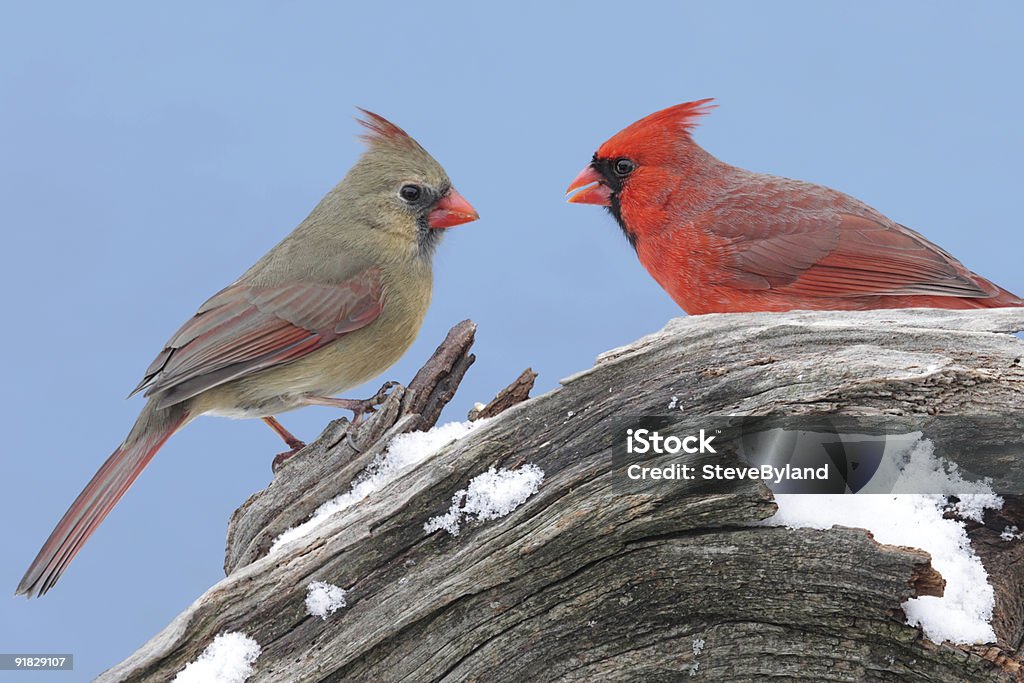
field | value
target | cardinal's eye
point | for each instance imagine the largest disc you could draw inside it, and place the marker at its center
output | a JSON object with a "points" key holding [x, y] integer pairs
{"points": [[623, 167], [410, 193]]}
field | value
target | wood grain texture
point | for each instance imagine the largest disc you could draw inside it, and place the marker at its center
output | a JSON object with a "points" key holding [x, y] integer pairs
{"points": [[587, 581]]}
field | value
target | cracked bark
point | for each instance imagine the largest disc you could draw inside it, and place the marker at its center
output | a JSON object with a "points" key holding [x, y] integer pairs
{"points": [[590, 581]]}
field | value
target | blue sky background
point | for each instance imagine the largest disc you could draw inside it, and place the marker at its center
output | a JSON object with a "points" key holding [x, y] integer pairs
{"points": [[149, 153]]}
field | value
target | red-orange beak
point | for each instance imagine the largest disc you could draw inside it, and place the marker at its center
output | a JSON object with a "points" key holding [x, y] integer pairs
{"points": [[451, 209], [594, 190]]}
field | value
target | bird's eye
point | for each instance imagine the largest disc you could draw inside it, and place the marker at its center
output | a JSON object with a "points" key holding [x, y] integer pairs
{"points": [[410, 193], [623, 167]]}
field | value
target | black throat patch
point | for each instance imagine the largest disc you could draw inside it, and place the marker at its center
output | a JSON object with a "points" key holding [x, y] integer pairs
{"points": [[614, 183]]}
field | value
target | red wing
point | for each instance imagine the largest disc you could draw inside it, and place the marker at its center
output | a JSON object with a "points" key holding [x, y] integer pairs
{"points": [[828, 254], [244, 329]]}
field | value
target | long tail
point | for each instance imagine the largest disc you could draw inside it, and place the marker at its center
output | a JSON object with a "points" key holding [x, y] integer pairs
{"points": [[152, 429]]}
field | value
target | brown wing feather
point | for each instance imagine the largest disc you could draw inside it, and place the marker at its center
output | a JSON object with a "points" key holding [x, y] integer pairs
{"points": [[244, 329]]}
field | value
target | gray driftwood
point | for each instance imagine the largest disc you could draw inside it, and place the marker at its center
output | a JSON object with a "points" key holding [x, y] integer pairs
{"points": [[588, 581]]}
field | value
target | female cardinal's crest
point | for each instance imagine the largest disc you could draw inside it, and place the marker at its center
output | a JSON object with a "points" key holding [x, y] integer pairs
{"points": [[379, 129]]}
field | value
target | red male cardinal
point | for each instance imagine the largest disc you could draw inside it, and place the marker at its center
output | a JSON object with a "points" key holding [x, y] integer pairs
{"points": [[336, 303], [720, 239]]}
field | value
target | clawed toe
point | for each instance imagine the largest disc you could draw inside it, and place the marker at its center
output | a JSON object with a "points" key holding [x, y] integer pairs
{"points": [[281, 458], [382, 393], [370, 405]]}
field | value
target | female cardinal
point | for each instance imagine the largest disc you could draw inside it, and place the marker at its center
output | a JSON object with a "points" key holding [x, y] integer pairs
{"points": [[720, 239], [336, 303]]}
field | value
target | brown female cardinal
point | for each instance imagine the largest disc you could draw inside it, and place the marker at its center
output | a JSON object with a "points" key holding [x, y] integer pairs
{"points": [[720, 239], [336, 303]]}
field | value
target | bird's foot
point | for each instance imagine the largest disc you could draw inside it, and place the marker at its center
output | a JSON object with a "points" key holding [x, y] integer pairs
{"points": [[370, 405], [359, 407], [290, 440], [281, 458]]}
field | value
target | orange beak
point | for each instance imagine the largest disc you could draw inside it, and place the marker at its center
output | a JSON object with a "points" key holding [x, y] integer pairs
{"points": [[451, 209], [594, 190]]}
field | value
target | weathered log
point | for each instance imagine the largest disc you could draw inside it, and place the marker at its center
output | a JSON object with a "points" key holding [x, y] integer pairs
{"points": [[591, 580]]}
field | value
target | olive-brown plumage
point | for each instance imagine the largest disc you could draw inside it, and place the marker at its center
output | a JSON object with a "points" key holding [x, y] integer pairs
{"points": [[336, 303]]}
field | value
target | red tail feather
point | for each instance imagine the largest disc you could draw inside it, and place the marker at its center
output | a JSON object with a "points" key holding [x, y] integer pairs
{"points": [[151, 431]]}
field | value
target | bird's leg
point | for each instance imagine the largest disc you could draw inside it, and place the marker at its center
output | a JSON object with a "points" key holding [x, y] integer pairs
{"points": [[290, 439], [359, 407], [293, 443]]}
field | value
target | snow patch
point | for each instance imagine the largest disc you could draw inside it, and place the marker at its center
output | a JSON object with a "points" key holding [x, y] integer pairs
{"points": [[490, 495], [962, 615], [404, 451], [1011, 533], [323, 599], [228, 659]]}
